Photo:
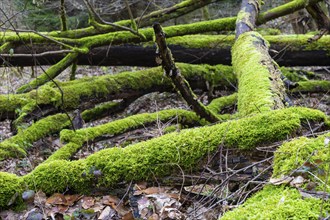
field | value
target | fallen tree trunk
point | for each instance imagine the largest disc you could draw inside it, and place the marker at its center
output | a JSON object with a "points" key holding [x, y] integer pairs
{"points": [[154, 157], [287, 50]]}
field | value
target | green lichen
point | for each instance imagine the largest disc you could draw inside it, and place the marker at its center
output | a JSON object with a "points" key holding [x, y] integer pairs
{"points": [[278, 203]]}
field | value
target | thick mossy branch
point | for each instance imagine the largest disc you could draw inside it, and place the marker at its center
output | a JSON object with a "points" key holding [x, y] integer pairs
{"points": [[161, 156], [109, 87], [127, 37], [283, 10], [50, 73], [220, 103], [23, 140], [275, 202], [313, 86], [77, 139], [260, 87]]}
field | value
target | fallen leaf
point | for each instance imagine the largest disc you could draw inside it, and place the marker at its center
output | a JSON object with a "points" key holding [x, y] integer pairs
{"points": [[87, 202], [56, 199], [71, 199]]}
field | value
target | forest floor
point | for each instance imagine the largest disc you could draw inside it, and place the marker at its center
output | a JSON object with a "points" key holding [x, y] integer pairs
{"points": [[189, 196]]}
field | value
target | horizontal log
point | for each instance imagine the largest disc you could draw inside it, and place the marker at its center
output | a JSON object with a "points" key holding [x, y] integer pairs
{"points": [[287, 50]]}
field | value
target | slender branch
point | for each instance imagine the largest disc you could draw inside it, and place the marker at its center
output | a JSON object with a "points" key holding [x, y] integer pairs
{"points": [[167, 61], [39, 54], [96, 20], [64, 26]]}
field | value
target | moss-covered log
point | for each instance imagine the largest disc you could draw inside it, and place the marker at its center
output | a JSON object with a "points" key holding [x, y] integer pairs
{"points": [[155, 157], [109, 87], [284, 202], [260, 87], [287, 50]]}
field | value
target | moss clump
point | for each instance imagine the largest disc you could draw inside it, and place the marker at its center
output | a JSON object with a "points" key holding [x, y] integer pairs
{"points": [[278, 203], [292, 156], [10, 185], [57, 176]]}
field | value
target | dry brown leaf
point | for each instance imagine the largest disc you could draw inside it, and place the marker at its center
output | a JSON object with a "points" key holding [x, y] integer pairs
{"points": [[56, 199], [87, 202], [71, 199], [128, 216], [110, 200]]}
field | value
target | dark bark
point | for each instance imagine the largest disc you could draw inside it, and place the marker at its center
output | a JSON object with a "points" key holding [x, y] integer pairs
{"points": [[135, 55]]}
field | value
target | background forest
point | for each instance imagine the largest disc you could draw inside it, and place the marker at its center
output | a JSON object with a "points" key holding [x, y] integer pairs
{"points": [[136, 109]]}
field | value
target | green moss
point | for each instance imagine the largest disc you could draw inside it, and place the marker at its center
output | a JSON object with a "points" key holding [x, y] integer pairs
{"points": [[23, 140], [219, 103], [51, 73], [313, 86], [161, 156], [51, 177], [172, 128], [102, 109], [292, 156], [278, 203], [269, 31], [10, 185], [293, 75], [251, 63], [202, 41], [300, 42]]}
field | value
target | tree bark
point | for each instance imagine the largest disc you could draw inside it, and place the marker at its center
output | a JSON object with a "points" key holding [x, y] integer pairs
{"points": [[289, 50]]}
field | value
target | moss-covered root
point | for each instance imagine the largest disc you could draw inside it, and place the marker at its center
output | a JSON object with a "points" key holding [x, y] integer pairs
{"points": [[23, 140], [50, 73], [220, 103], [77, 139], [292, 156], [160, 156], [260, 86], [278, 203], [285, 202], [313, 86]]}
